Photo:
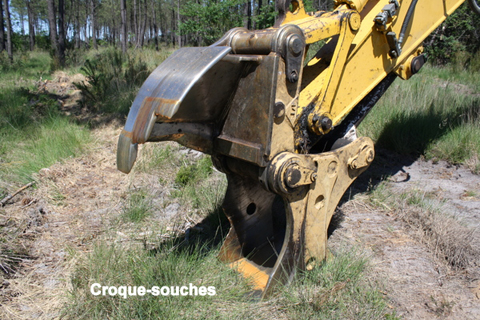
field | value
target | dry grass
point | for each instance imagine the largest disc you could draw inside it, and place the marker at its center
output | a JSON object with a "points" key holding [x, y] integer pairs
{"points": [[443, 234], [43, 230]]}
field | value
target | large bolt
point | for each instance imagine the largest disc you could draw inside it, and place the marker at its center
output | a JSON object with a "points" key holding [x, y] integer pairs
{"points": [[354, 164], [322, 124], [355, 21], [326, 124], [417, 63], [370, 156], [293, 76], [292, 176], [295, 44]]}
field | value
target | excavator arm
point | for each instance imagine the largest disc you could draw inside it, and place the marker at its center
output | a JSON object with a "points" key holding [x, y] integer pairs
{"points": [[283, 129]]}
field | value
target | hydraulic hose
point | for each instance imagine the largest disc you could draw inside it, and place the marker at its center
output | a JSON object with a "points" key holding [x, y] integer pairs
{"points": [[406, 22]]}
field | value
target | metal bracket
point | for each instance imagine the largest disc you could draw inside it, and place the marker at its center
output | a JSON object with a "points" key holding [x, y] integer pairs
{"points": [[279, 222], [386, 15], [382, 22], [319, 120], [394, 45], [290, 44]]}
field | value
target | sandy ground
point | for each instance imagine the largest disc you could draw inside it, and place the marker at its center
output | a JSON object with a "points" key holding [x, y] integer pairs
{"points": [[419, 284]]}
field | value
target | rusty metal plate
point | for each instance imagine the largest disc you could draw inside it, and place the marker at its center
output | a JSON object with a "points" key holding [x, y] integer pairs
{"points": [[247, 131], [178, 90]]}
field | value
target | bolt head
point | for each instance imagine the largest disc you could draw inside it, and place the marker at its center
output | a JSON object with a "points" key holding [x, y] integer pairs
{"points": [[293, 76], [370, 156], [326, 124], [295, 45], [355, 21]]}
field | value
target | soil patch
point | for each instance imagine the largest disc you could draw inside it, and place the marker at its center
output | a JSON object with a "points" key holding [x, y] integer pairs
{"points": [[420, 284]]}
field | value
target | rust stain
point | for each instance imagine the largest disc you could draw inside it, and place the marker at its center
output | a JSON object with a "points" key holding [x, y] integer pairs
{"points": [[141, 120], [163, 106], [159, 100], [127, 134], [150, 106]]}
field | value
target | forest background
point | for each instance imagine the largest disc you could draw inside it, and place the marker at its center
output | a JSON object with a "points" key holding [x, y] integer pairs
{"points": [[64, 27]]}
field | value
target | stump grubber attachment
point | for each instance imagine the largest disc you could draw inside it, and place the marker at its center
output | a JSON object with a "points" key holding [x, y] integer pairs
{"points": [[280, 128]]}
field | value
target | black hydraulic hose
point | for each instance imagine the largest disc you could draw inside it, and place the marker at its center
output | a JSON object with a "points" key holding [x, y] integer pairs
{"points": [[406, 22]]}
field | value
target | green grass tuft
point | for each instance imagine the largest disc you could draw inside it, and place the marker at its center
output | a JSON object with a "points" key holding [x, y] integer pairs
{"points": [[435, 114], [191, 174], [33, 132], [137, 207], [116, 266], [113, 79], [339, 289], [55, 139]]}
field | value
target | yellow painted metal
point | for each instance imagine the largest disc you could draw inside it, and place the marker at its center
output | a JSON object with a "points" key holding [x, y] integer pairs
{"points": [[327, 94], [297, 12], [316, 29], [353, 4], [258, 277], [404, 70], [367, 62]]}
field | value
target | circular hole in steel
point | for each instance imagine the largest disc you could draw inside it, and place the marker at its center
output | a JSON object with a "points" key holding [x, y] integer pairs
{"points": [[252, 207], [294, 7], [311, 263], [320, 202]]}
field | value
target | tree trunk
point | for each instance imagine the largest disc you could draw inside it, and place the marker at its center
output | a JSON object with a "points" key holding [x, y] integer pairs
{"points": [[155, 29], [2, 29], [113, 31], [61, 32], [53, 28], [144, 24], [94, 35], [22, 23], [9, 32], [138, 20], [178, 25], [87, 42], [135, 22], [259, 10], [172, 26], [123, 6], [248, 14], [77, 23], [31, 26]]}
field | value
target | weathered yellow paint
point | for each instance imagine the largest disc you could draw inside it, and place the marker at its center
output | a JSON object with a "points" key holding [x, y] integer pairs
{"points": [[354, 4], [249, 271], [297, 13], [367, 62], [316, 29]]}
